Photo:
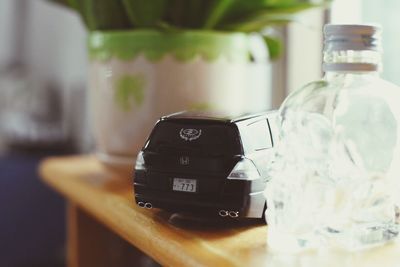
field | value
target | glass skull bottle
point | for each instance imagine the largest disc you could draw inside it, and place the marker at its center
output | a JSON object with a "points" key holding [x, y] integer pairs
{"points": [[335, 177]]}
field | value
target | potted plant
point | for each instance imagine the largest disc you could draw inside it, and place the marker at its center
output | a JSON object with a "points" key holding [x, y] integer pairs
{"points": [[154, 57]]}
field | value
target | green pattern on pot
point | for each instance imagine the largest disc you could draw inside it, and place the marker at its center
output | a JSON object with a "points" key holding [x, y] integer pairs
{"points": [[184, 46], [129, 91]]}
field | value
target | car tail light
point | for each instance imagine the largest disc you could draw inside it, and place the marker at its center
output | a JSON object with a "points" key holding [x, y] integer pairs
{"points": [[244, 170], [140, 162]]}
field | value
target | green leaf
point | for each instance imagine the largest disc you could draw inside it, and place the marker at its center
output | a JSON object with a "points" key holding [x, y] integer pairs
{"points": [[144, 13], [168, 28], [73, 4], [257, 24], [255, 15], [189, 14], [61, 2], [67, 3], [216, 12], [242, 8], [274, 47], [103, 14], [180, 15], [257, 20]]}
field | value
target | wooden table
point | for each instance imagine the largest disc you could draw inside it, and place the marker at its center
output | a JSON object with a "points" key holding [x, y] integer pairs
{"points": [[104, 223]]}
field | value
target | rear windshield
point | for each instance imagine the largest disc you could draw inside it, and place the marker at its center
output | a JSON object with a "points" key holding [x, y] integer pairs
{"points": [[206, 139]]}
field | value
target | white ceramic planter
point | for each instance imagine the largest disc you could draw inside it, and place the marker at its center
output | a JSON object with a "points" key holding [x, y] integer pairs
{"points": [[129, 93]]}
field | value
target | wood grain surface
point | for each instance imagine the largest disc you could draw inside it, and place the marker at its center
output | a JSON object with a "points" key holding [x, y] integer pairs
{"points": [[108, 197]]}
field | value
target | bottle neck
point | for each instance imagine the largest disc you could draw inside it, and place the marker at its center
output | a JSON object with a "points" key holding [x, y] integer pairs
{"points": [[352, 61], [342, 76]]}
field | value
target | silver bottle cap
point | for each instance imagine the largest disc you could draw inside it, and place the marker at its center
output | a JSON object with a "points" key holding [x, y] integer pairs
{"points": [[352, 37]]}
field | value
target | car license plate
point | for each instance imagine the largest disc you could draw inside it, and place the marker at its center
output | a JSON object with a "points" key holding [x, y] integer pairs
{"points": [[184, 185]]}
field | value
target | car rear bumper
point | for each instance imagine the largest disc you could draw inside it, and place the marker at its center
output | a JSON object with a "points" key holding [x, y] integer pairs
{"points": [[249, 206]]}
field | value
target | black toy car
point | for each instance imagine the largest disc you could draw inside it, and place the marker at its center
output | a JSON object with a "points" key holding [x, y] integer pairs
{"points": [[206, 164]]}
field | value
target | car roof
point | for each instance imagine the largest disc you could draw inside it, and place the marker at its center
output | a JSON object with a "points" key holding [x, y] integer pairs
{"points": [[215, 116]]}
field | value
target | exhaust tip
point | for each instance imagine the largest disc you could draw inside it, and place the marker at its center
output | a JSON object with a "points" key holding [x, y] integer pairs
{"points": [[233, 214], [223, 213], [148, 205], [141, 204]]}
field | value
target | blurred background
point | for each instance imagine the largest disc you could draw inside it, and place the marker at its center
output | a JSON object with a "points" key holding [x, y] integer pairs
{"points": [[44, 110], [42, 113]]}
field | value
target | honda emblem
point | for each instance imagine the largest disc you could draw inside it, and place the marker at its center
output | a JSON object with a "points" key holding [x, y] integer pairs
{"points": [[184, 160]]}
